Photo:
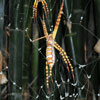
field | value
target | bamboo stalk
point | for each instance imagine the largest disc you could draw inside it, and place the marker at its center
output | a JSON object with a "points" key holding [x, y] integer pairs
{"points": [[71, 40], [26, 68], [16, 49], [35, 56]]}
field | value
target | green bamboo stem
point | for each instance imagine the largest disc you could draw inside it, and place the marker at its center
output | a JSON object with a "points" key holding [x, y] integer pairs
{"points": [[73, 47], [16, 49], [26, 68], [35, 53]]}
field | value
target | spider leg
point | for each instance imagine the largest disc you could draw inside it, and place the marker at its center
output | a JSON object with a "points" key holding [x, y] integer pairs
{"points": [[37, 39], [58, 20], [45, 7], [65, 60], [50, 72], [44, 28], [35, 10], [47, 76], [65, 57]]}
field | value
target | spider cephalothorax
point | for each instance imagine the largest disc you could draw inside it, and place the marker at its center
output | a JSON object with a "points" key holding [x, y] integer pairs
{"points": [[50, 39]]}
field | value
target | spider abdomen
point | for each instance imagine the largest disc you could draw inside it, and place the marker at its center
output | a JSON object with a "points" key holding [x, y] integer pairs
{"points": [[50, 55]]}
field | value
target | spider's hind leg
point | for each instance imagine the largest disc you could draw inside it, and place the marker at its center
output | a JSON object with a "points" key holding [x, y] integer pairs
{"points": [[65, 58], [50, 68], [47, 76]]}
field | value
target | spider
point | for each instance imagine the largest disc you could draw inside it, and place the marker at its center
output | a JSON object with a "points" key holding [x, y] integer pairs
{"points": [[45, 7], [51, 44]]}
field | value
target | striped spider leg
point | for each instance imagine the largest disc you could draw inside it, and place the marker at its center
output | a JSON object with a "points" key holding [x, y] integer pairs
{"points": [[45, 7], [65, 58]]}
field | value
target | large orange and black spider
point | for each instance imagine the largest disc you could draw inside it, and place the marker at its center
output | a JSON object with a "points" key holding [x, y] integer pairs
{"points": [[51, 44], [45, 7]]}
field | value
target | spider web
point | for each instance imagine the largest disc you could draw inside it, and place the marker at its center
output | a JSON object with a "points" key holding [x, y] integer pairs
{"points": [[62, 87]]}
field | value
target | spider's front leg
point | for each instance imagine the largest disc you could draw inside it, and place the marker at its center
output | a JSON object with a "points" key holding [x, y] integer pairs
{"points": [[35, 9], [45, 7]]}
